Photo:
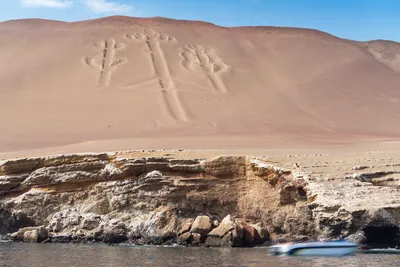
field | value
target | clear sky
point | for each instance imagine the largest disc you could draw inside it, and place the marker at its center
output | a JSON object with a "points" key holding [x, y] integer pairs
{"points": [[353, 19]]}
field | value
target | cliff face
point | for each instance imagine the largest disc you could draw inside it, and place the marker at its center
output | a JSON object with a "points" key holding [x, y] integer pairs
{"points": [[153, 200]]}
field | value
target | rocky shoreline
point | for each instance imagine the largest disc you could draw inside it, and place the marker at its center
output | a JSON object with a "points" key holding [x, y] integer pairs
{"points": [[201, 231], [161, 200]]}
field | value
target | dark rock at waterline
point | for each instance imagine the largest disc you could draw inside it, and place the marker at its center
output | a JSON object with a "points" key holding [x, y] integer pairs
{"points": [[30, 234], [11, 222], [184, 238], [152, 240], [261, 235], [114, 232], [60, 238], [196, 239], [251, 237], [114, 236], [225, 241]]}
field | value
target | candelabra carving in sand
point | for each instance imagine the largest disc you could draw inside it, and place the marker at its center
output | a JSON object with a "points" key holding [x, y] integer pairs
{"points": [[105, 62], [198, 58], [163, 79]]}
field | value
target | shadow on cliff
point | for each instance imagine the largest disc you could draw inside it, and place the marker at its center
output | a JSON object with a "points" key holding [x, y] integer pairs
{"points": [[10, 222]]}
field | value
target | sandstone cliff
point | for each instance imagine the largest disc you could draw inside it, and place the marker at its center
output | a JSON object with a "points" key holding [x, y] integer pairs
{"points": [[228, 200]]}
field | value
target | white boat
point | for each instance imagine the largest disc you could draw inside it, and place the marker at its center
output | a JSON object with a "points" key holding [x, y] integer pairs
{"points": [[329, 248]]}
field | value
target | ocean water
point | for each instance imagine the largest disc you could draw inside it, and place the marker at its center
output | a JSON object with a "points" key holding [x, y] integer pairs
{"points": [[76, 255]]}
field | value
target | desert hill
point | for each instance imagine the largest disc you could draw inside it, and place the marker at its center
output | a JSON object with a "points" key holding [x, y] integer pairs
{"points": [[387, 52], [167, 83]]}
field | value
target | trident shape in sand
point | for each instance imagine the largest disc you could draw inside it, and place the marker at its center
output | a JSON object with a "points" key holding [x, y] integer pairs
{"points": [[105, 62], [198, 58], [170, 94]]}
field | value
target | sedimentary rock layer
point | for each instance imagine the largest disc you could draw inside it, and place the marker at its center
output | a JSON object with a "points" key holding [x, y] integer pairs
{"points": [[228, 200]]}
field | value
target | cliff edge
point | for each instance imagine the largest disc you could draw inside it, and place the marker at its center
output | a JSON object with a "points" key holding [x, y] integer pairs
{"points": [[165, 199]]}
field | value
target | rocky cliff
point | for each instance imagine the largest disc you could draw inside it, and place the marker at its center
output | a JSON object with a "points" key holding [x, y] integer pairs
{"points": [[228, 200]]}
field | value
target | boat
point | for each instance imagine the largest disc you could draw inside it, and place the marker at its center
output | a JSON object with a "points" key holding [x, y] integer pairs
{"points": [[322, 248]]}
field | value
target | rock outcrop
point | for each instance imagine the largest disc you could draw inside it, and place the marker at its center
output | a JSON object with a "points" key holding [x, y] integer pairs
{"points": [[118, 197], [30, 234], [226, 234], [201, 225]]}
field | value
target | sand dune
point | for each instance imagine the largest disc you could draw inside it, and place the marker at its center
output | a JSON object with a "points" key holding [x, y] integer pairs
{"points": [[125, 79], [387, 52]]}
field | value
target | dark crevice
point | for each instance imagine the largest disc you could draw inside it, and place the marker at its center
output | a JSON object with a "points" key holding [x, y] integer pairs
{"points": [[302, 193], [15, 187], [11, 222], [382, 236]]}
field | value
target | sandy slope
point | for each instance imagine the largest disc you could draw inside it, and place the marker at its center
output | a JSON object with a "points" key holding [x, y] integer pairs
{"points": [[123, 82]]}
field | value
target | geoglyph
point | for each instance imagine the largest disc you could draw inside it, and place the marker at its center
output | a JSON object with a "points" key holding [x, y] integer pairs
{"points": [[196, 58]]}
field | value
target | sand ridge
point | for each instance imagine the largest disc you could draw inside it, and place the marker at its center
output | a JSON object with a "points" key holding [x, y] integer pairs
{"points": [[133, 82]]}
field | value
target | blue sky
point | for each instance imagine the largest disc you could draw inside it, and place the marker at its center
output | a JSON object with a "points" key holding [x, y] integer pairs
{"points": [[354, 19]]}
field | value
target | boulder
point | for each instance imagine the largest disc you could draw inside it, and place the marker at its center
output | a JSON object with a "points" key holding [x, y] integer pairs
{"points": [[254, 234], [186, 225], [224, 235], [250, 235], [184, 238], [262, 232], [224, 227], [114, 233], [196, 238], [236, 236], [358, 238], [226, 241], [201, 225], [30, 234], [114, 236]]}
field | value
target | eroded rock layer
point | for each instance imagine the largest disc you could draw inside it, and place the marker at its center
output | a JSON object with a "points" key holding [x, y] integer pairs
{"points": [[225, 201]]}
